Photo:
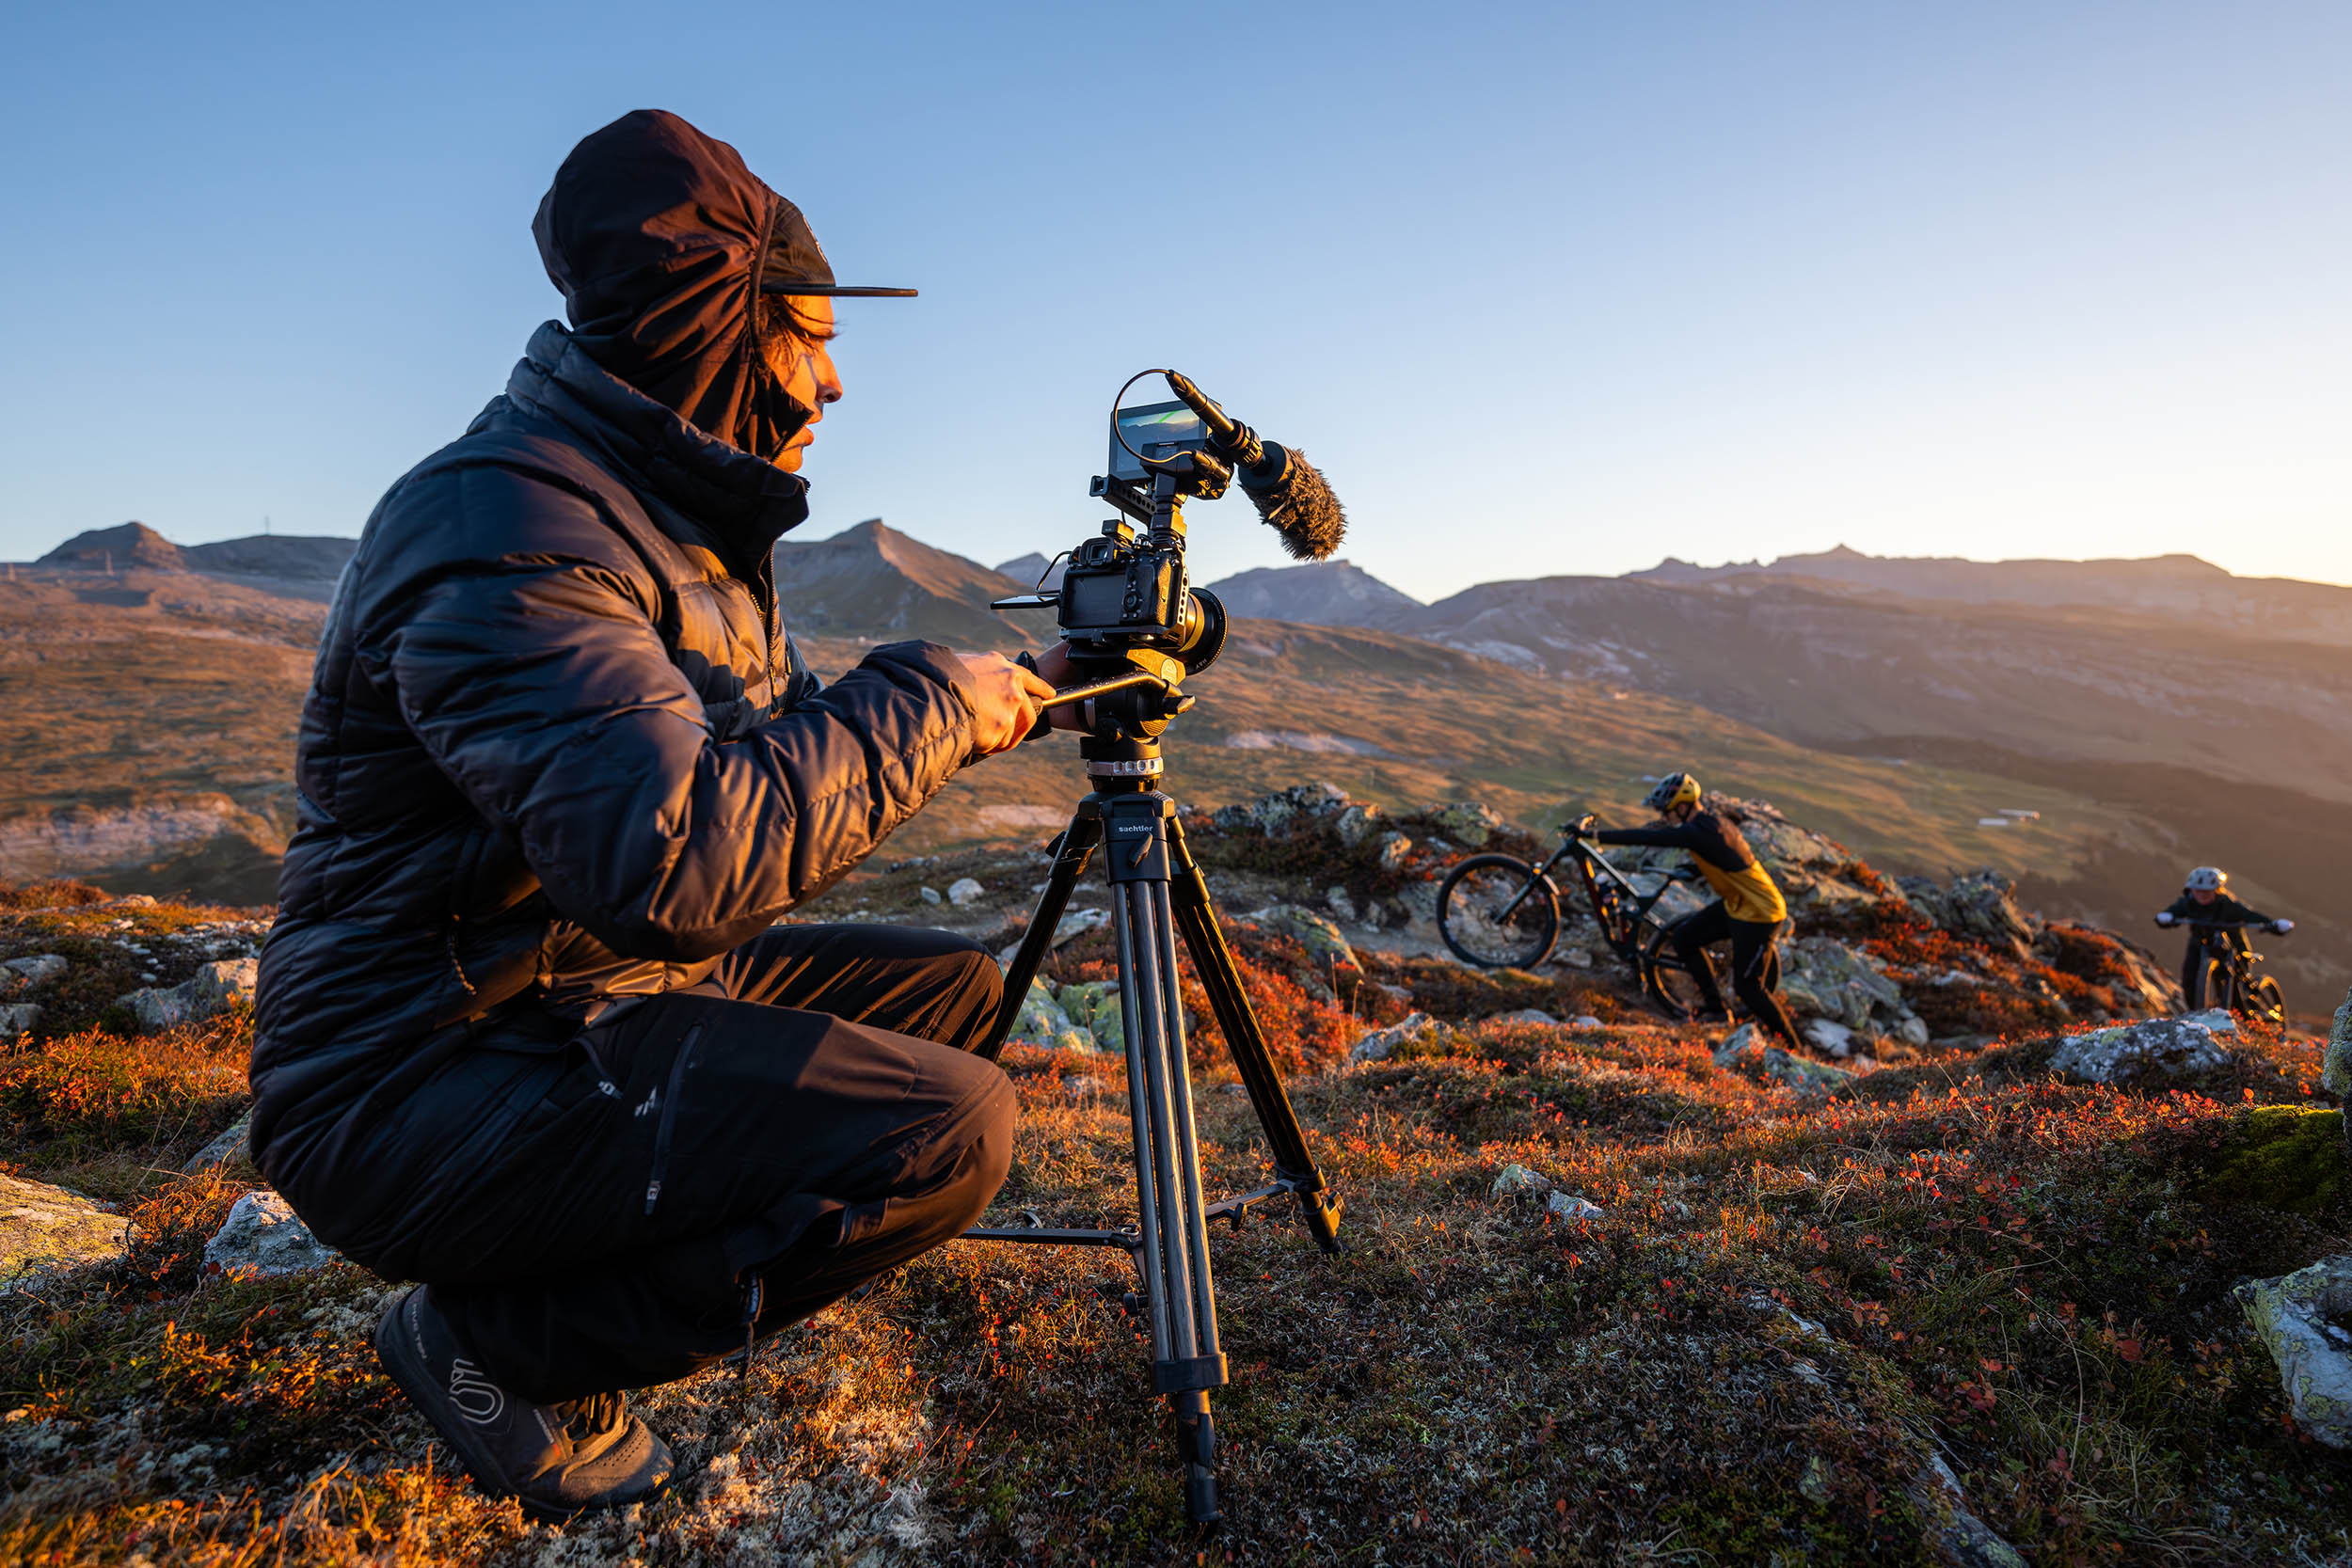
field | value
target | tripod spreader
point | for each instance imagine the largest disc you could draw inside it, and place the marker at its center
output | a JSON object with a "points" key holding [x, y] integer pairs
{"points": [[1159, 895]]}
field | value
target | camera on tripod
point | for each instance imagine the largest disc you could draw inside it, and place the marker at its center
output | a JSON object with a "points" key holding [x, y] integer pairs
{"points": [[1136, 627]]}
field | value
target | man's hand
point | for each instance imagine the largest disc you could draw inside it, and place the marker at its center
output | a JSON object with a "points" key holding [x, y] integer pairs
{"points": [[2282, 926], [2164, 917], [1005, 700], [1055, 665]]}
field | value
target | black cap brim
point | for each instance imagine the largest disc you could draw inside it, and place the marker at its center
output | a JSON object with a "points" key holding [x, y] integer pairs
{"points": [[838, 290]]}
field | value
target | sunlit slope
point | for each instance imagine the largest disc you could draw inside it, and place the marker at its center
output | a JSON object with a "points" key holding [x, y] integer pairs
{"points": [[1405, 722]]}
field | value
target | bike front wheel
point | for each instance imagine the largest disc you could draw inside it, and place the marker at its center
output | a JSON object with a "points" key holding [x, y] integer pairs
{"points": [[1495, 911], [2262, 1001]]}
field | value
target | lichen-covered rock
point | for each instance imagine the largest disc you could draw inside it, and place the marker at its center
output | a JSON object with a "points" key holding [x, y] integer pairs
{"points": [[1526, 1015], [1378, 1045], [2337, 1075], [2150, 1054], [1356, 822], [1042, 1022], [1319, 937], [2300, 1318], [1468, 822], [1074, 924], [18, 1018], [1827, 1034], [964, 891], [43, 1227], [212, 991], [263, 1235], [1745, 1047], [1395, 850], [1269, 811], [1094, 1007], [1569, 1207]]}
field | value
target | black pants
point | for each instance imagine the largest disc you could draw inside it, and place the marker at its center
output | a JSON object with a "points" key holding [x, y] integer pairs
{"points": [[808, 1117], [1755, 963]]}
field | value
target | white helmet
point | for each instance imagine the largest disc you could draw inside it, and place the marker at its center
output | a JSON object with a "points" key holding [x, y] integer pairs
{"points": [[2207, 879]]}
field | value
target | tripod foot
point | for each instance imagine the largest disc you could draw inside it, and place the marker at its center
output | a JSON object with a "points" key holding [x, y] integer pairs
{"points": [[1196, 1441]]}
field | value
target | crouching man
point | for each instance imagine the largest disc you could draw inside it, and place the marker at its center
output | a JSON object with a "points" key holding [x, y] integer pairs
{"points": [[526, 1029]]}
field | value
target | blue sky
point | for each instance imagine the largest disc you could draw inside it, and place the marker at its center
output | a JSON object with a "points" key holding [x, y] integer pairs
{"points": [[1544, 289]]}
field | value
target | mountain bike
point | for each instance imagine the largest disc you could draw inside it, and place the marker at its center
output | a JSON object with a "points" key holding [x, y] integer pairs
{"points": [[2223, 974], [1499, 911]]}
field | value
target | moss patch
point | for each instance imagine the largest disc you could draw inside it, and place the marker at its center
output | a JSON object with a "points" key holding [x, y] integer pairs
{"points": [[2285, 1157]]}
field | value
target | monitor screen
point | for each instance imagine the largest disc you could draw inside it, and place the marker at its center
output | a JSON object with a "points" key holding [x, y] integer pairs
{"points": [[1155, 430]]}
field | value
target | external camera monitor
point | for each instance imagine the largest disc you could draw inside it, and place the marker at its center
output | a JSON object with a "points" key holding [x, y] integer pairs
{"points": [[1155, 430]]}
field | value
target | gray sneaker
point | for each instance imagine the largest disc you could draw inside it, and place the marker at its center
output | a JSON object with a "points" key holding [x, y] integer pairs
{"points": [[556, 1460]]}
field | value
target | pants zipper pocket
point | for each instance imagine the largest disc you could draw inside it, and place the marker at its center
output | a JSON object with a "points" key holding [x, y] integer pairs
{"points": [[669, 1118]]}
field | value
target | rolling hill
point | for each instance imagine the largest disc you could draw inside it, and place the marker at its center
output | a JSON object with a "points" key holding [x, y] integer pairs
{"points": [[147, 718]]}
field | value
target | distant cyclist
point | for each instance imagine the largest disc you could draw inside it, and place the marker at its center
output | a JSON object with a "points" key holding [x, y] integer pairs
{"points": [[1748, 910], [2211, 915]]}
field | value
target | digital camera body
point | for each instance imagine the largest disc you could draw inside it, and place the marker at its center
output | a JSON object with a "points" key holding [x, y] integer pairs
{"points": [[1128, 586]]}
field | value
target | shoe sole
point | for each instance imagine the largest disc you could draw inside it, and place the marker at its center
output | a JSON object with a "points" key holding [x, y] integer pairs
{"points": [[397, 1359]]}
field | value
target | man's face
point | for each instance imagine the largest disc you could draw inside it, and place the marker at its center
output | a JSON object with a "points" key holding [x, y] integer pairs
{"points": [[806, 367], [2203, 895]]}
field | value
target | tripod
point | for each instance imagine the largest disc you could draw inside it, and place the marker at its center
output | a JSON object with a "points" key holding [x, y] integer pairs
{"points": [[1158, 894]]}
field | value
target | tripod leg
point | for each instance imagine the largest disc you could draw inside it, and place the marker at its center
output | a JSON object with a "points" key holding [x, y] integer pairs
{"points": [[1072, 850], [1213, 961], [1186, 1362]]}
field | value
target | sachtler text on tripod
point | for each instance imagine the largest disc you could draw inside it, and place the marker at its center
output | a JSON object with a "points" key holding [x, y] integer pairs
{"points": [[1136, 628]]}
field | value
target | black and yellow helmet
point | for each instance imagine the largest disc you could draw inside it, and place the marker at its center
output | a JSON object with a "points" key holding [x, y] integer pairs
{"points": [[1674, 789]]}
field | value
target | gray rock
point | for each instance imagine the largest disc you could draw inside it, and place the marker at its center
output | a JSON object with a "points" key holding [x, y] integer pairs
{"points": [[1829, 1035], [964, 891], [1468, 822], [1568, 1207], [1822, 977], [1319, 937], [1337, 901], [33, 971], [1585, 1020], [44, 1228], [213, 989], [18, 1018], [1378, 1045], [263, 1235], [1268, 813], [1396, 848], [929, 894], [1525, 1015], [1356, 823], [2336, 1077], [2300, 1318], [1802, 1073], [1077, 922], [2151, 1054], [1513, 1181], [229, 1145]]}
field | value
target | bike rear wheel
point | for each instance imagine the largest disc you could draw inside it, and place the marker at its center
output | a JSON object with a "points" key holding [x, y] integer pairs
{"points": [[1671, 987], [1496, 913]]}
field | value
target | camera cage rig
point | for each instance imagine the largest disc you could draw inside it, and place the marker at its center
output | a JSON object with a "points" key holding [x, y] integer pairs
{"points": [[1137, 627]]}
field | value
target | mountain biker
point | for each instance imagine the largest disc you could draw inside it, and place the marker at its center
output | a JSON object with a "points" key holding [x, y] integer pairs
{"points": [[1747, 912], [2211, 915]]}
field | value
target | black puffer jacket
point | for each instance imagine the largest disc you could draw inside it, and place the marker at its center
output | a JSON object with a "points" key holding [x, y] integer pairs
{"points": [[558, 748]]}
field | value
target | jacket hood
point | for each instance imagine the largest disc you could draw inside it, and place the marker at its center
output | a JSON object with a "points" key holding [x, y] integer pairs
{"points": [[657, 235]]}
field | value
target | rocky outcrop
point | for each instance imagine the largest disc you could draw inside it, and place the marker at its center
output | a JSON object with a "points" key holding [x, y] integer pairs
{"points": [[213, 989], [1976, 905], [2152, 1054], [1378, 1045], [2336, 1076], [44, 1228], [1825, 979], [2302, 1319]]}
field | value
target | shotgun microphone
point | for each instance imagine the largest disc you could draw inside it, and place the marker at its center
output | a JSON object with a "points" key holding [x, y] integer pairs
{"points": [[1290, 493]]}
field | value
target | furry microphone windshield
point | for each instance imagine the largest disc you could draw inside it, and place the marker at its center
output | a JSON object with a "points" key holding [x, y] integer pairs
{"points": [[1297, 502]]}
